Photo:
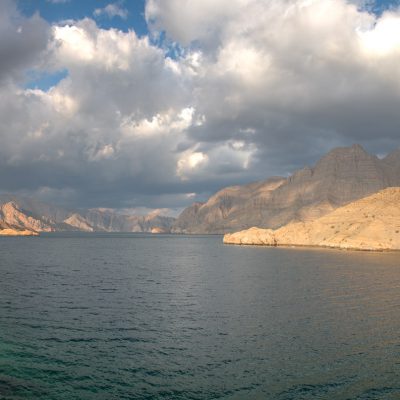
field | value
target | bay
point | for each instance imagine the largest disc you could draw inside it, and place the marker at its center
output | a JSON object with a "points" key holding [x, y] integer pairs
{"points": [[132, 316]]}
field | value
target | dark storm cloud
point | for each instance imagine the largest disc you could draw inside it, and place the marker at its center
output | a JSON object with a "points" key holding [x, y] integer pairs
{"points": [[22, 40]]}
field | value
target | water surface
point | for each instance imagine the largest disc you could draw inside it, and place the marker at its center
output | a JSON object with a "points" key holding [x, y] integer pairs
{"points": [[185, 317]]}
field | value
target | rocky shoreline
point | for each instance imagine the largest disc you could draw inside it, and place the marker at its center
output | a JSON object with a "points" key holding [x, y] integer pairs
{"points": [[14, 232]]}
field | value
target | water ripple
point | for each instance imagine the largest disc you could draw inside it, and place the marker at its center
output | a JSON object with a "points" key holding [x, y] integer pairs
{"points": [[134, 317]]}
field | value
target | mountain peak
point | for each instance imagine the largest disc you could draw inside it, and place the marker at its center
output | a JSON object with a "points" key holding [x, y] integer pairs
{"points": [[357, 147], [10, 205], [343, 158]]}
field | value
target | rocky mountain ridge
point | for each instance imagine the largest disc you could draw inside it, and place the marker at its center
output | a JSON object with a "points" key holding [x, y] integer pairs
{"points": [[341, 176], [20, 214]]}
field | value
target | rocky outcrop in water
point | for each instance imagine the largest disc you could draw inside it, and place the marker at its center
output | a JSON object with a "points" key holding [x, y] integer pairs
{"points": [[372, 223], [343, 175]]}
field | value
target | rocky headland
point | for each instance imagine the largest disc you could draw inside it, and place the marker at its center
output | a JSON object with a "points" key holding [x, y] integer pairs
{"points": [[372, 223]]}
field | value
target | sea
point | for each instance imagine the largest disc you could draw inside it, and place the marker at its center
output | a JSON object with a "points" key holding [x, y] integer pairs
{"points": [[135, 316]]}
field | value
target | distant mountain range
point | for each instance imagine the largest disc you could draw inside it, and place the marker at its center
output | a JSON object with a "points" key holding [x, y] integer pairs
{"points": [[343, 175], [28, 214]]}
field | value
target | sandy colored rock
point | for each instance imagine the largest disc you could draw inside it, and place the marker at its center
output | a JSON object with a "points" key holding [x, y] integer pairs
{"points": [[158, 229], [372, 223], [252, 236], [14, 232]]}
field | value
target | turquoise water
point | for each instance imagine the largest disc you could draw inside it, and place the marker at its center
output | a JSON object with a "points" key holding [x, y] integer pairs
{"points": [[179, 317]]}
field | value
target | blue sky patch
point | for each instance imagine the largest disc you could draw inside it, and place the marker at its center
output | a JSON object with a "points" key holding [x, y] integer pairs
{"points": [[44, 80], [55, 11]]}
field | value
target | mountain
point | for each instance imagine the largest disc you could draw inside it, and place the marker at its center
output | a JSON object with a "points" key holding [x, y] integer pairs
{"points": [[15, 223], [343, 175], [372, 223], [229, 208], [392, 166], [28, 214], [42, 210], [13, 216], [80, 223]]}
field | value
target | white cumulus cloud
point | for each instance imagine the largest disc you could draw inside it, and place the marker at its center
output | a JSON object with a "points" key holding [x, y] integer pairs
{"points": [[112, 10]]}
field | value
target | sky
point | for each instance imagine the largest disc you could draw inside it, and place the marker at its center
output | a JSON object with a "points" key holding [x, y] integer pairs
{"points": [[156, 104]]}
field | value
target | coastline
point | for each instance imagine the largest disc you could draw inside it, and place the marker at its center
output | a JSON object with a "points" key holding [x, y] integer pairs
{"points": [[312, 246]]}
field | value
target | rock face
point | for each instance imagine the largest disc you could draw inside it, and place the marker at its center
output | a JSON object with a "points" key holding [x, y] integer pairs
{"points": [[372, 223], [343, 175]]}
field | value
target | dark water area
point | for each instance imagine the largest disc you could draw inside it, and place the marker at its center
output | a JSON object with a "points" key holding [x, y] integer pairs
{"points": [[185, 317]]}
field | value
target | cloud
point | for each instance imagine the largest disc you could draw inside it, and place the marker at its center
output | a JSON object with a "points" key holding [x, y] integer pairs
{"points": [[112, 10], [111, 126], [302, 75], [237, 90], [22, 41]]}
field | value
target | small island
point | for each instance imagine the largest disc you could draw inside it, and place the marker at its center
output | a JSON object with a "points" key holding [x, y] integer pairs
{"points": [[372, 223]]}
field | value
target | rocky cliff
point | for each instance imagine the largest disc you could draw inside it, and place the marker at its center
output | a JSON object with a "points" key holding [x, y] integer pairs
{"points": [[372, 223], [343, 175], [13, 216]]}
